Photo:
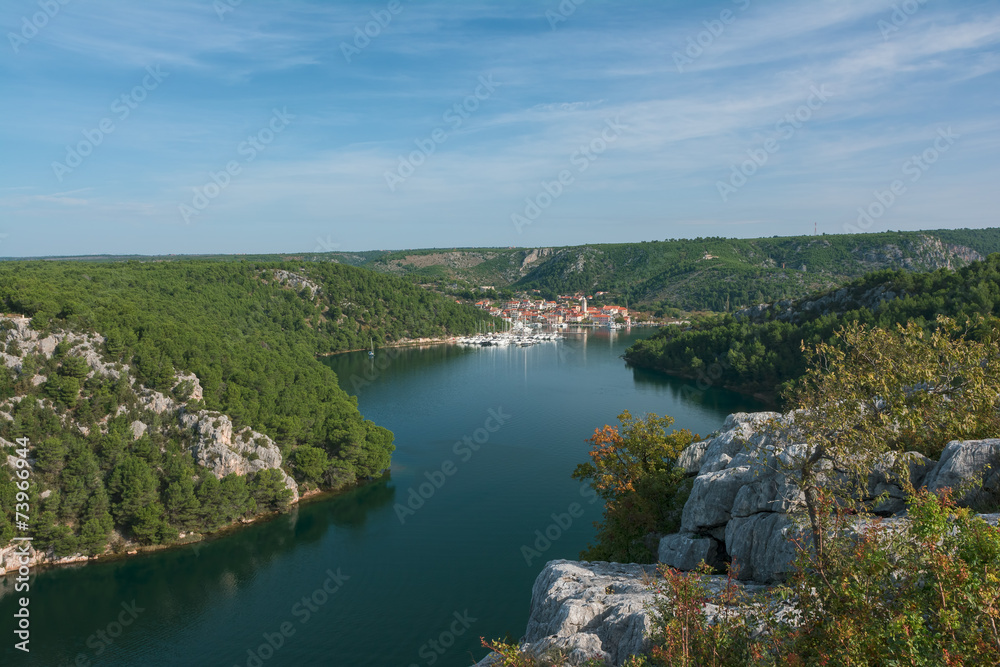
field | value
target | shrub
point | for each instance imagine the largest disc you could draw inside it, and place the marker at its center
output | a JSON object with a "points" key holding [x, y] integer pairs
{"points": [[919, 591], [875, 391], [634, 469], [685, 635], [923, 592]]}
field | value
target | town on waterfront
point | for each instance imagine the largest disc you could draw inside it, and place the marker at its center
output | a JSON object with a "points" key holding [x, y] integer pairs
{"points": [[572, 309]]}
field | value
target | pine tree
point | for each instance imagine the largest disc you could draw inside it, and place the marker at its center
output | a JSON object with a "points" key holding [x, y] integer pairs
{"points": [[132, 487], [236, 500], [181, 504], [210, 496]]}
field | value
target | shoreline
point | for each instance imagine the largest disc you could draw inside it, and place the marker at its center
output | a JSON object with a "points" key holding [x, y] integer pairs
{"points": [[415, 342], [407, 342], [311, 496], [769, 400]]}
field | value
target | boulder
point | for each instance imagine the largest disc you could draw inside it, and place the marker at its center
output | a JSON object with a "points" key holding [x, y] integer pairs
{"points": [[884, 480], [963, 465], [761, 547], [692, 457], [685, 552], [596, 611], [712, 496], [590, 610], [768, 492], [138, 429]]}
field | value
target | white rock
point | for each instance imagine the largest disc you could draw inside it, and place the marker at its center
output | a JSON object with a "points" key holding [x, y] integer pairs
{"points": [[963, 463], [686, 552], [590, 610], [692, 457], [138, 429]]}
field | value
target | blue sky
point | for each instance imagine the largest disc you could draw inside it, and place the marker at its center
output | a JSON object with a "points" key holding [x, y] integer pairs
{"points": [[663, 120]]}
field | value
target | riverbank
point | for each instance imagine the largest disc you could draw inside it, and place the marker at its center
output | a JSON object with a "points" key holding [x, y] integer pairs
{"points": [[422, 342], [405, 342], [703, 381], [123, 549]]}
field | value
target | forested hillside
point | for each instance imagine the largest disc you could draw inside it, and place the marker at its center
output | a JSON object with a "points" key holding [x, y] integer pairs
{"points": [[726, 274], [702, 274], [138, 385], [759, 349], [714, 274]]}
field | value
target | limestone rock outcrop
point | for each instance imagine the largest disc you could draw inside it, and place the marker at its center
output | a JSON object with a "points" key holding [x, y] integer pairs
{"points": [[963, 461], [744, 495], [210, 436], [589, 610], [740, 509], [296, 281], [685, 551], [223, 453], [585, 611], [18, 336]]}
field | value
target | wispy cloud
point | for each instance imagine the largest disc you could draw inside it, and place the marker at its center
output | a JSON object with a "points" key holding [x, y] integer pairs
{"points": [[355, 120]]}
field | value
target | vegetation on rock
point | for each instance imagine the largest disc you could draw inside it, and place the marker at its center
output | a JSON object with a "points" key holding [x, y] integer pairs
{"points": [[924, 591]]}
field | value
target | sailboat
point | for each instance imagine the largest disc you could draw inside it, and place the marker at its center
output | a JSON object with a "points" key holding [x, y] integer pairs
{"points": [[371, 352]]}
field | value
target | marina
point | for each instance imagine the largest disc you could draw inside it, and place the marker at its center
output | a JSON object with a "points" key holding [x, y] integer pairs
{"points": [[519, 334]]}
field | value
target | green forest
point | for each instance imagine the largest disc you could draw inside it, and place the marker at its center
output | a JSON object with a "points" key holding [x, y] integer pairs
{"points": [[722, 275], [250, 331], [701, 274], [763, 354]]}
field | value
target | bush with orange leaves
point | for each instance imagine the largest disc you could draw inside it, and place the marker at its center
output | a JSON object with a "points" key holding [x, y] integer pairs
{"points": [[634, 469]]}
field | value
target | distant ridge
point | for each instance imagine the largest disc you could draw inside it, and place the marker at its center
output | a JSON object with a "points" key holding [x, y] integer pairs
{"points": [[714, 273]]}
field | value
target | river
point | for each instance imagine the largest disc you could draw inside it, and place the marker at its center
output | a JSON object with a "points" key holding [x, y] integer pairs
{"points": [[409, 570]]}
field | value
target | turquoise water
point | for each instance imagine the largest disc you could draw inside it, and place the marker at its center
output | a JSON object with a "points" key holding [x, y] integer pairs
{"points": [[410, 570]]}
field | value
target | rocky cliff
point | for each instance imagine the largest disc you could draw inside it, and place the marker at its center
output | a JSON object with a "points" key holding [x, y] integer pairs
{"points": [[742, 501], [208, 435], [740, 509]]}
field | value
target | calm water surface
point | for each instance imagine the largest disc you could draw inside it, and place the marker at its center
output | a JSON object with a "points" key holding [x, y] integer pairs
{"points": [[414, 584]]}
